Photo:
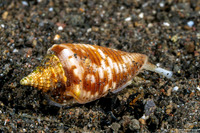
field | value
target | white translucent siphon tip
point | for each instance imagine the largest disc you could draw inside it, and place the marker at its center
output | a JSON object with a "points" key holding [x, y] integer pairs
{"points": [[164, 72], [148, 66]]}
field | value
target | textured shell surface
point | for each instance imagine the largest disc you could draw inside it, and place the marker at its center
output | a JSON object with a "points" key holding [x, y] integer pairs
{"points": [[80, 73]]}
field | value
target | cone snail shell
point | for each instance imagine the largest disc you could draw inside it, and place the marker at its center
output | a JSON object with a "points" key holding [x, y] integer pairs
{"points": [[81, 73]]}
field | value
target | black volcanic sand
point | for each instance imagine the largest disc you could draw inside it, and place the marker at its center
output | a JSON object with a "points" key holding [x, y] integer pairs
{"points": [[167, 31]]}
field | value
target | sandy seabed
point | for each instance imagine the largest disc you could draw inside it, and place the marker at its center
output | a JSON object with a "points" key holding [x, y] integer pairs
{"points": [[167, 31]]}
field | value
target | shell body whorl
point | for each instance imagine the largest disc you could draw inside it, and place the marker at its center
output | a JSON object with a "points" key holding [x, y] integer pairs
{"points": [[84, 73], [93, 70]]}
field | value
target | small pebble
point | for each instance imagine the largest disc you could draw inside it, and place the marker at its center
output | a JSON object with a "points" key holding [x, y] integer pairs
{"points": [[4, 15], [122, 8], [190, 47], [198, 35], [166, 24], [34, 43], [41, 24], [158, 64], [169, 108], [141, 15], [89, 30], [162, 4], [143, 121], [175, 38], [149, 107], [150, 25], [25, 3], [169, 91], [175, 88], [190, 23], [115, 127], [15, 50], [57, 37], [60, 28], [50, 9], [128, 19], [198, 88], [144, 117], [2, 25], [134, 124]]}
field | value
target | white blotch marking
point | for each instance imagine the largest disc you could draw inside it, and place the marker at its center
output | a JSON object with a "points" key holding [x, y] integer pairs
{"points": [[87, 77], [75, 72], [105, 89], [120, 67], [103, 65], [92, 47], [124, 68], [88, 94], [101, 53], [67, 56], [128, 59], [96, 95], [77, 89], [94, 66], [116, 68], [110, 62], [124, 59], [91, 78], [83, 93], [67, 53], [135, 56], [72, 60], [83, 51], [101, 73], [109, 73], [91, 96], [114, 85], [85, 45]]}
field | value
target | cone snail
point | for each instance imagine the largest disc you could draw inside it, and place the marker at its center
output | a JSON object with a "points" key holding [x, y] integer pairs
{"points": [[81, 73]]}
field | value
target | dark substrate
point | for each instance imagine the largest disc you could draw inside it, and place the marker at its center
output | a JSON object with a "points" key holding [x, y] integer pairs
{"points": [[167, 31]]}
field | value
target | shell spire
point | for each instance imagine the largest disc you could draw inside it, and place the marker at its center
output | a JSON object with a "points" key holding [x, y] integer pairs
{"points": [[47, 76]]}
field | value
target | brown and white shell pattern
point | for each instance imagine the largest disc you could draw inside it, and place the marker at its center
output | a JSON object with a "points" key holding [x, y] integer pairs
{"points": [[82, 73]]}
